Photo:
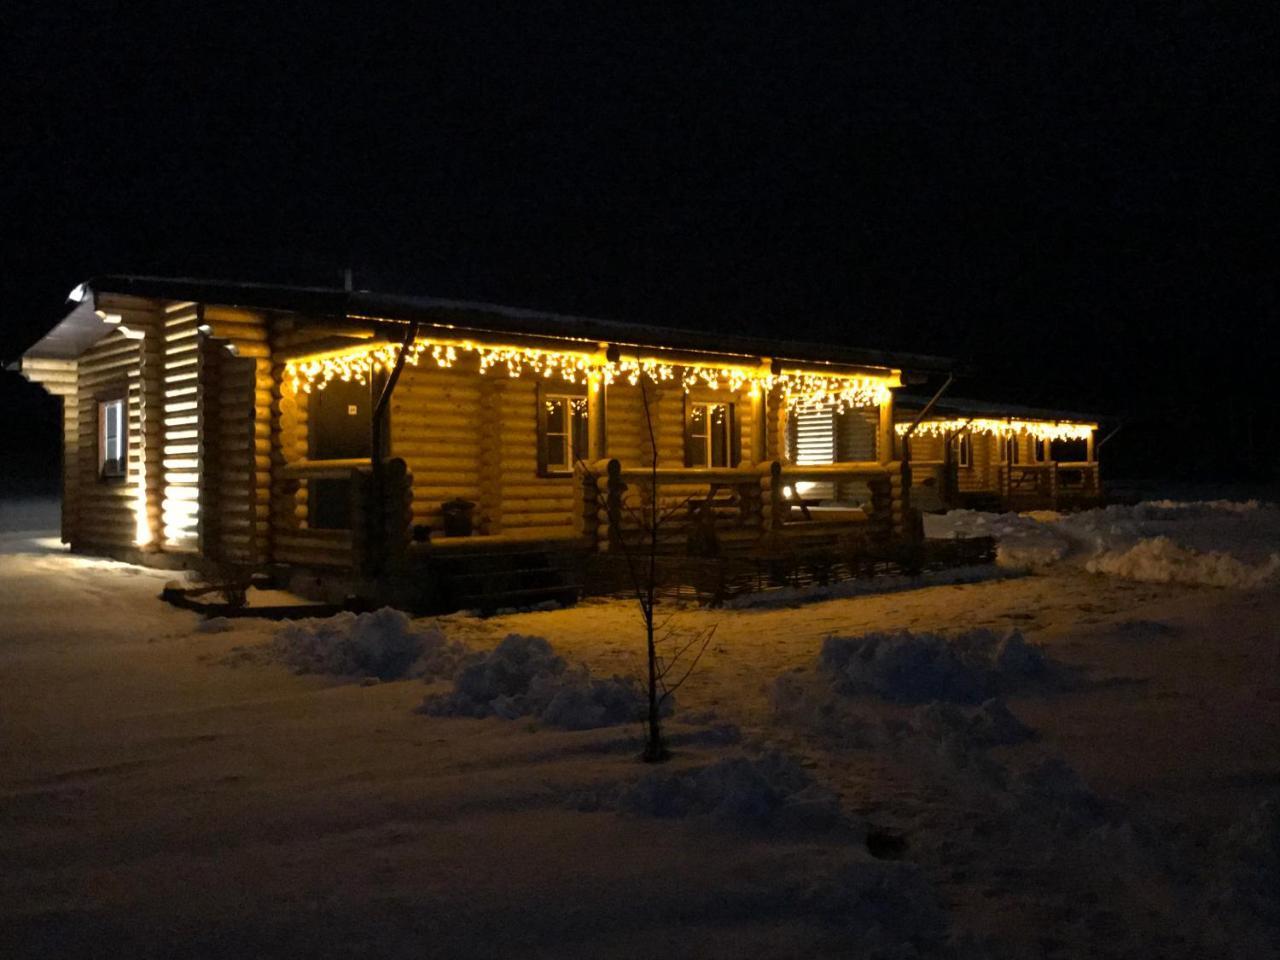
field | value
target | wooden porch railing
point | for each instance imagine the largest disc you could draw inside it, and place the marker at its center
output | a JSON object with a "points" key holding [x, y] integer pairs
{"points": [[373, 540], [741, 504]]}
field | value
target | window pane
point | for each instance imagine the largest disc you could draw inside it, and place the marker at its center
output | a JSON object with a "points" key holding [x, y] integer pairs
{"points": [[113, 441], [1070, 451], [698, 420], [555, 415], [719, 435], [580, 441], [557, 450]]}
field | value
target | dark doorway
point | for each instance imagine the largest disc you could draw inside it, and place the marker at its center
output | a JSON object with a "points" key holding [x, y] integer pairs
{"points": [[339, 418]]}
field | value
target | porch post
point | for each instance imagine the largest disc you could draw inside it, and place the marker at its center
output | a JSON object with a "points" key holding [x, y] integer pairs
{"points": [[597, 433], [885, 437], [760, 415]]}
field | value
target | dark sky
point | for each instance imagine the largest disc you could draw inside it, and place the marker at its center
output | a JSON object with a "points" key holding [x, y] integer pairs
{"points": [[1083, 200]]}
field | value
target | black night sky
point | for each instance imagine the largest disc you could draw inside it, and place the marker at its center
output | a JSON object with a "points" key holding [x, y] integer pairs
{"points": [[1082, 201]]}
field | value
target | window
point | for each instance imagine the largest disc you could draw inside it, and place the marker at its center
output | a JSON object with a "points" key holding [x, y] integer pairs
{"points": [[962, 445], [1070, 451], [113, 438], [710, 435], [1041, 448], [1011, 454], [563, 422]]}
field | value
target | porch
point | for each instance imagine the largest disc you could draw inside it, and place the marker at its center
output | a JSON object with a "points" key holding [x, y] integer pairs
{"points": [[712, 525], [1046, 485]]}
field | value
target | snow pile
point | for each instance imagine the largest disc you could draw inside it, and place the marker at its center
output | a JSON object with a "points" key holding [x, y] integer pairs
{"points": [[990, 725], [806, 700], [769, 790], [385, 644], [1212, 543], [911, 667], [524, 677], [1023, 541], [1160, 560]]}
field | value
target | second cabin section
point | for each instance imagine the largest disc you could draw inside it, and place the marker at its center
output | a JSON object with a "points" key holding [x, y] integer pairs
{"points": [[998, 457]]}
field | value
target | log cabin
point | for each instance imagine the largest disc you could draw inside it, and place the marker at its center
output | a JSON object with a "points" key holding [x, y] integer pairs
{"points": [[990, 456], [341, 435]]}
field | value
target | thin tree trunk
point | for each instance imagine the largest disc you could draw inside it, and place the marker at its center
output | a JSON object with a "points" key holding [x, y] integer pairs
{"points": [[654, 749]]}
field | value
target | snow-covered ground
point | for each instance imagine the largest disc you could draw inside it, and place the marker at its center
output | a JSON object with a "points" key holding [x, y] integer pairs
{"points": [[1057, 764], [1217, 543]]}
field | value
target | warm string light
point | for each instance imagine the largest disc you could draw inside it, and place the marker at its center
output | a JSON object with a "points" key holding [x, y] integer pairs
{"points": [[800, 389], [576, 404], [1039, 429]]}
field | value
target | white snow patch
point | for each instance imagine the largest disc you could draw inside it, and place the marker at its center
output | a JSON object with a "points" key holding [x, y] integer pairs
{"points": [[911, 667], [525, 677], [769, 790], [385, 644], [1215, 543], [215, 625]]}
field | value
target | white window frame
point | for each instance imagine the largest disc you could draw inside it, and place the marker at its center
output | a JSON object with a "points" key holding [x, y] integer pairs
{"points": [[1012, 453], [726, 425], [113, 438]]}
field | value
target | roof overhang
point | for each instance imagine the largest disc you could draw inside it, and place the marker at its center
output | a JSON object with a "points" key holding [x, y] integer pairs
{"points": [[81, 328], [951, 408], [73, 334]]}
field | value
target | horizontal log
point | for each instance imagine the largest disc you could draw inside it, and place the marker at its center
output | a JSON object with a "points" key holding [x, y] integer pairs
{"points": [[537, 519], [543, 505]]}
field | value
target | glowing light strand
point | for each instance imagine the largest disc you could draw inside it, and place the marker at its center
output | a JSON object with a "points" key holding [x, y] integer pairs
{"points": [[803, 389], [1010, 427]]}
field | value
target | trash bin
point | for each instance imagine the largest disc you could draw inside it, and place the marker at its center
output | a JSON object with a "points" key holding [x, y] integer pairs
{"points": [[457, 514]]}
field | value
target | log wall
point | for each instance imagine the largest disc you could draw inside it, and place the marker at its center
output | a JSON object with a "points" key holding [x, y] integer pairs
{"points": [[107, 510], [237, 434], [181, 445], [436, 429]]}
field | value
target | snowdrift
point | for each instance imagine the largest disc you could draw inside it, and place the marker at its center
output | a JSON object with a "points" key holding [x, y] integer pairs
{"points": [[525, 677], [771, 789], [385, 644], [908, 667], [1215, 543]]}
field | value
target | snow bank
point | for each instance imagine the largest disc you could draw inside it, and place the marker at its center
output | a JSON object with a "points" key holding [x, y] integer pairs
{"points": [[1211, 543], [523, 676], [990, 725], [1160, 560], [385, 644], [769, 790], [911, 667]]}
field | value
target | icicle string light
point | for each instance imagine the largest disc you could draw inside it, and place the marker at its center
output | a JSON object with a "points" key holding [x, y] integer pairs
{"points": [[801, 389], [1039, 429]]}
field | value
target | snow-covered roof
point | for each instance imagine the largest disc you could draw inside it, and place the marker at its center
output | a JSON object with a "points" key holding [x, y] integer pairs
{"points": [[334, 303], [907, 405]]}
